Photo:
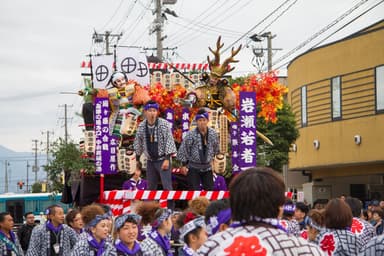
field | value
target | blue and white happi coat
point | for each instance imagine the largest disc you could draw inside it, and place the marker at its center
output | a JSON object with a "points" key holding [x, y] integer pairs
{"points": [[40, 242]]}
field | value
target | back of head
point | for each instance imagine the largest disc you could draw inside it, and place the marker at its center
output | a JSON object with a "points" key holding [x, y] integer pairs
{"points": [[316, 217], [89, 212], [147, 211], [338, 214], [215, 207], [355, 205], [199, 204], [302, 207], [256, 192]]}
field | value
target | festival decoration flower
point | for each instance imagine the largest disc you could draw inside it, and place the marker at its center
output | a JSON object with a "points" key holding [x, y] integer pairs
{"points": [[167, 98], [269, 94]]}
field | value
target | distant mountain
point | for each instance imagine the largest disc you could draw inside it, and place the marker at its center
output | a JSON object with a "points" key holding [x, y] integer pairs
{"points": [[17, 163]]}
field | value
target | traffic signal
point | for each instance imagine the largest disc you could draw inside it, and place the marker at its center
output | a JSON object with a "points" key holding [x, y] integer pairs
{"points": [[21, 184]]}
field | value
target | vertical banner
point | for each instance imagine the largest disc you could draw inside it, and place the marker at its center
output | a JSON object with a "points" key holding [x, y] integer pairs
{"points": [[106, 145], [102, 69], [134, 64], [247, 123], [169, 116], [234, 131], [185, 121]]}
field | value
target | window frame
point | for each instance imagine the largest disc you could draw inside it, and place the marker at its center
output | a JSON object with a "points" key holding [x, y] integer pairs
{"points": [[339, 117]]}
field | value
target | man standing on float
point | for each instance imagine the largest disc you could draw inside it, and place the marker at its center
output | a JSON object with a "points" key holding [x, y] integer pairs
{"points": [[154, 139], [197, 152]]}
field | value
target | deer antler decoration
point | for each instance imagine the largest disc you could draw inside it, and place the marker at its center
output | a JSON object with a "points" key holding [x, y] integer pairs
{"points": [[217, 69], [216, 61]]}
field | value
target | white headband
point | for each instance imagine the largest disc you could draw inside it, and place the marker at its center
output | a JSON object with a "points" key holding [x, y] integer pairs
{"points": [[116, 76], [190, 226]]}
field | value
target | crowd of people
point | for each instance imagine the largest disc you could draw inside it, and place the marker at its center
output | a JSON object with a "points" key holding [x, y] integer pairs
{"points": [[257, 219]]}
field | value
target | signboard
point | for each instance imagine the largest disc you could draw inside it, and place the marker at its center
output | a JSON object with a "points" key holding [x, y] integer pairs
{"points": [[247, 130], [106, 144]]}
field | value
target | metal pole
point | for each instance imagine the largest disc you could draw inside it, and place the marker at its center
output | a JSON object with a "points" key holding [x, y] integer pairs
{"points": [[159, 27], [269, 46], [28, 177], [6, 176]]}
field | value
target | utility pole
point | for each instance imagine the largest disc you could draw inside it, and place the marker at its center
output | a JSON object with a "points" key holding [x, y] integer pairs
{"points": [[28, 176], [47, 148], [159, 27], [258, 52], [35, 168], [269, 37], [65, 122], [6, 176], [107, 38]]}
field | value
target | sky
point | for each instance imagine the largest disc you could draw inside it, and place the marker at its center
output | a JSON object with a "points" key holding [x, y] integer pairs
{"points": [[43, 43]]}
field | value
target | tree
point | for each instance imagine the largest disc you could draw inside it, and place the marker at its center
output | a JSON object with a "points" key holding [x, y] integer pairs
{"points": [[282, 133], [67, 162], [36, 187]]}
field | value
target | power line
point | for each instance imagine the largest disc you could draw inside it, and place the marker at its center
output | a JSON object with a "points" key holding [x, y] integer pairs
{"points": [[278, 16], [134, 26], [348, 23], [255, 26], [334, 22], [229, 11], [339, 29], [113, 15], [181, 32], [122, 22]]}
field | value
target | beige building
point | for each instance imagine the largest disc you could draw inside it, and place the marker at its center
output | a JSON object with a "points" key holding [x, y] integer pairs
{"points": [[337, 94]]}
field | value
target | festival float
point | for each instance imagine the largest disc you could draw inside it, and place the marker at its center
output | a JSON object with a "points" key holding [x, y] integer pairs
{"points": [[112, 113]]}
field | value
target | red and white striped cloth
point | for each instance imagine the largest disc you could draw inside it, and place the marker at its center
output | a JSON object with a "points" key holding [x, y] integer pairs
{"points": [[165, 66], [120, 200]]}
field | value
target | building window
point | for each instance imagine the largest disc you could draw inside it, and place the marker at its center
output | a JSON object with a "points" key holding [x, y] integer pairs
{"points": [[336, 97], [303, 106], [379, 74]]}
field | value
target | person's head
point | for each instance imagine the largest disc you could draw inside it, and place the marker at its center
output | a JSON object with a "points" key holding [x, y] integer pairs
{"points": [[319, 204], [147, 209], [337, 214], [199, 205], [126, 227], [314, 223], [162, 220], [29, 218], [343, 197], [118, 79], [355, 205], [151, 111], [301, 211], [251, 194], [377, 214], [137, 173], [96, 221], [159, 218], [364, 215], [74, 220], [288, 209], [192, 229], [55, 214], [6, 221], [381, 204], [202, 118], [218, 216]]}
